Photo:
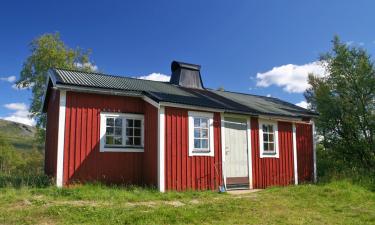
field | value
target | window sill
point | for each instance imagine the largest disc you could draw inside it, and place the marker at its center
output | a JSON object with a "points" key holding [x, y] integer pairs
{"points": [[121, 149], [201, 153], [269, 155]]}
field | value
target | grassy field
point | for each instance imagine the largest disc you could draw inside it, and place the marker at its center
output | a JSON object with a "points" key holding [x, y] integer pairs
{"points": [[334, 203]]}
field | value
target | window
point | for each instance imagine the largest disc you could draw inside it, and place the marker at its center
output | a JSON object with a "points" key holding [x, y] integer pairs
{"points": [[121, 132], [201, 134], [268, 136]]}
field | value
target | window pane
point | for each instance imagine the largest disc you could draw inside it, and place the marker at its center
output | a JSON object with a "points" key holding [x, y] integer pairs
{"points": [[265, 137], [271, 145], [110, 121], [118, 131], [271, 137], [197, 122], [109, 131], [137, 123], [109, 140], [137, 132], [204, 133], [197, 132], [264, 127], [197, 143], [137, 141], [265, 146], [118, 140], [118, 122], [204, 143], [129, 131], [129, 123], [204, 122], [129, 141]]}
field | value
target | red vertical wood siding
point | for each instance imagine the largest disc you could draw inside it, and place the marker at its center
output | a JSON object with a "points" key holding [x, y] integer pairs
{"points": [[181, 171], [150, 163], [273, 171], [50, 157], [82, 159], [305, 160]]}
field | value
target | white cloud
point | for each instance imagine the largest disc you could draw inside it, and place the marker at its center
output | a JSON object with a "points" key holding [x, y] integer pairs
{"points": [[20, 113], [353, 43], [93, 67], [292, 78], [303, 104], [9, 79], [156, 77], [268, 95], [16, 106]]}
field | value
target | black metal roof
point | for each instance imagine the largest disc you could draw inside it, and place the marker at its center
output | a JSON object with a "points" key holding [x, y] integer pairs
{"points": [[166, 92]]}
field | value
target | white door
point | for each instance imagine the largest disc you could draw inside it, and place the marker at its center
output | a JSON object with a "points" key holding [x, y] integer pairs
{"points": [[236, 158]]}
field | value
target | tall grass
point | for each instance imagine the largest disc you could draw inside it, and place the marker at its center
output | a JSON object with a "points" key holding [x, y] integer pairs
{"points": [[332, 169], [27, 180]]}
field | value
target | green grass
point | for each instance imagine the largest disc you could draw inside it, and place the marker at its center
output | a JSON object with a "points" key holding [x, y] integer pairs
{"points": [[333, 203]]}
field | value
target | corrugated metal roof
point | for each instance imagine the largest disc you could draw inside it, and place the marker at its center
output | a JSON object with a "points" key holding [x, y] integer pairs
{"points": [[166, 92]]}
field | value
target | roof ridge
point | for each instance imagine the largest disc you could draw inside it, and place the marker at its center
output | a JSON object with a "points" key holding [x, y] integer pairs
{"points": [[109, 75], [235, 92], [261, 96]]}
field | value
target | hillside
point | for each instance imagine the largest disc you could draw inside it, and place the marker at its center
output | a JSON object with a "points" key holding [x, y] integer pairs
{"points": [[21, 136]]}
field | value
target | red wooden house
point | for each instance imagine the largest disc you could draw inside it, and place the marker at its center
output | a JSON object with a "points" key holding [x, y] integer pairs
{"points": [[175, 135]]}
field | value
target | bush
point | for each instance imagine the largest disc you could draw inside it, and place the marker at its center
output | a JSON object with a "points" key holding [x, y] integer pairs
{"points": [[331, 169], [18, 181]]}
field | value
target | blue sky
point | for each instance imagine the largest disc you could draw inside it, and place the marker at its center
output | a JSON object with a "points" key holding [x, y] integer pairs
{"points": [[244, 46]]}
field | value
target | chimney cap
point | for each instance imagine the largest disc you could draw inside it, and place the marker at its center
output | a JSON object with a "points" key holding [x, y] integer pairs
{"points": [[186, 75], [175, 65]]}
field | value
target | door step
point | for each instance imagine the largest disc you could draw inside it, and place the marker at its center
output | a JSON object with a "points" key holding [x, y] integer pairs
{"points": [[241, 186]]}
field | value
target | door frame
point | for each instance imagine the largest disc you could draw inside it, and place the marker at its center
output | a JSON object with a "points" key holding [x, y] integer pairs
{"points": [[248, 138]]}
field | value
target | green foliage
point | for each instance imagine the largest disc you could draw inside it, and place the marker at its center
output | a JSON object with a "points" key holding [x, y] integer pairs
{"points": [[19, 164], [10, 160], [345, 100], [333, 203], [25, 180], [48, 51]]}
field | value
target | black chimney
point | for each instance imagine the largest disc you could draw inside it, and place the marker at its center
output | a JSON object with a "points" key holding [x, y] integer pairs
{"points": [[186, 75]]}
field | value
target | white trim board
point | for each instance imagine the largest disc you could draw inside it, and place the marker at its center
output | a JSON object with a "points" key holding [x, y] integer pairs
{"points": [[61, 140], [314, 151], [222, 130], [161, 149], [249, 152]]}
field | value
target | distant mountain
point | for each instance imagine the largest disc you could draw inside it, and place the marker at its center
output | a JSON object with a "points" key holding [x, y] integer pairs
{"points": [[21, 136]]}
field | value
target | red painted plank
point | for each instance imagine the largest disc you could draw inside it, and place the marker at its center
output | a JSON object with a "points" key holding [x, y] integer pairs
{"points": [[187, 172], [82, 159]]}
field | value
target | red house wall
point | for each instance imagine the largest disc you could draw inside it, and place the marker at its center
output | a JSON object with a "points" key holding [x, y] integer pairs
{"points": [[305, 160], [82, 159], [52, 129], [181, 171], [273, 171]]}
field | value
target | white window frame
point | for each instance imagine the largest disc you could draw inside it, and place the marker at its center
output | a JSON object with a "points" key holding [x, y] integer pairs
{"points": [[124, 116], [211, 146], [276, 139]]}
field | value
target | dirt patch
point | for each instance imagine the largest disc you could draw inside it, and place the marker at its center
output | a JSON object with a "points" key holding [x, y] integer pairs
{"points": [[194, 201], [175, 203]]}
